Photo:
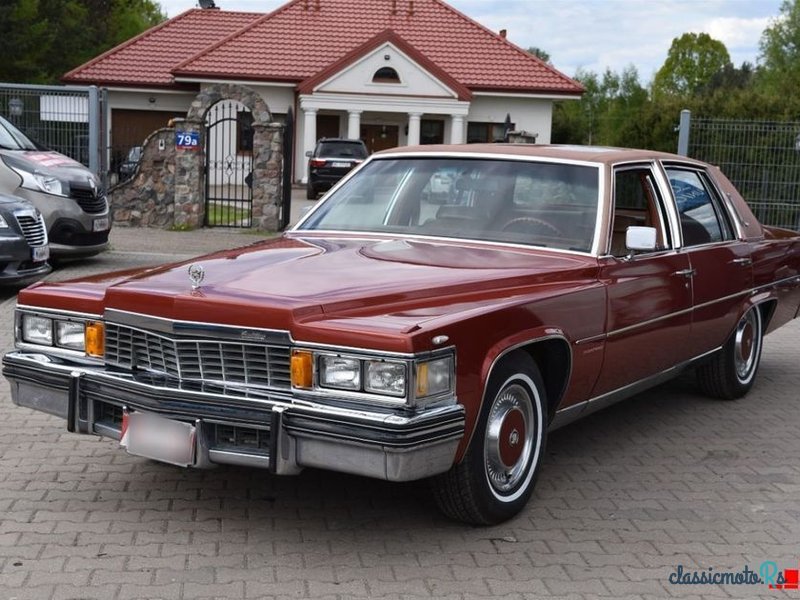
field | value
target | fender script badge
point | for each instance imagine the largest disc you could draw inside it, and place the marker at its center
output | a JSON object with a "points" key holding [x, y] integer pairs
{"points": [[196, 275]]}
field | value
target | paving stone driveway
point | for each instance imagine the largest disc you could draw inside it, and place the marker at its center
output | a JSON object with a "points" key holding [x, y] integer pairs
{"points": [[668, 478]]}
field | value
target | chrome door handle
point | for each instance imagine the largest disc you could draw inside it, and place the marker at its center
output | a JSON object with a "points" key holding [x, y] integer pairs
{"points": [[745, 261], [688, 273]]}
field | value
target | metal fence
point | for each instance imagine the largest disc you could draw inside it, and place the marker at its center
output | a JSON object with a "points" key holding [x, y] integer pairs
{"points": [[67, 119], [761, 158]]}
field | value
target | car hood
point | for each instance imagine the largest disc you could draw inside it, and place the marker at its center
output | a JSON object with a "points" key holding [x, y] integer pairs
{"points": [[291, 283], [50, 163]]}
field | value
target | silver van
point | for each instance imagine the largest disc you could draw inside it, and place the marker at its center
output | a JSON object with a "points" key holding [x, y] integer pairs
{"points": [[68, 195]]}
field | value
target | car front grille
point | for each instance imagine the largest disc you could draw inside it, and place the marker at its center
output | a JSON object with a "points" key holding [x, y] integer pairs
{"points": [[89, 200], [33, 229], [251, 364]]}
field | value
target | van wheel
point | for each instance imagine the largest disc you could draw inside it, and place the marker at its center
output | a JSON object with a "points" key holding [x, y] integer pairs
{"points": [[731, 372], [496, 476]]}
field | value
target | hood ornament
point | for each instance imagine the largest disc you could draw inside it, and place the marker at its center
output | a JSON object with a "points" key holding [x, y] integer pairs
{"points": [[196, 275]]}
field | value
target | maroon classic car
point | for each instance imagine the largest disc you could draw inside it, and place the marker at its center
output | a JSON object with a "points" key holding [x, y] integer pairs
{"points": [[433, 317]]}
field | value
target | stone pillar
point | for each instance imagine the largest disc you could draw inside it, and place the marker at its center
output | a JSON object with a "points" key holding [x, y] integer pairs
{"points": [[456, 129], [413, 128], [354, 124], [309, 137], [267, 180], [190, 179]]}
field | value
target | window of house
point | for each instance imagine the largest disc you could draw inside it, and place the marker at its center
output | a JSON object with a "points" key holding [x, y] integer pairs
{"points": [[431, 132], [702, 217], [386, 75], [244, 131], [478, 132]]}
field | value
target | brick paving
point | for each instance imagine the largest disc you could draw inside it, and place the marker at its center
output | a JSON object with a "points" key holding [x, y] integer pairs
{"points": [[625, 496]]}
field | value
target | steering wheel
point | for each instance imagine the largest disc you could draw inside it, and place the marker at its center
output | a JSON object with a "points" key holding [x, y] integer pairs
{"points": [[531, 225]]}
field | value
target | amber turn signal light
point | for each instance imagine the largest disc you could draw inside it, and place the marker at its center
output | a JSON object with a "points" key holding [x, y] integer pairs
{"points": [[302, 369], [95, 339]]}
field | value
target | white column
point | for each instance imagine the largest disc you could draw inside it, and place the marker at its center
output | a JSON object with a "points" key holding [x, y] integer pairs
{"points": [[456, 129], [413, 128], [354, 124], [309, 137]]}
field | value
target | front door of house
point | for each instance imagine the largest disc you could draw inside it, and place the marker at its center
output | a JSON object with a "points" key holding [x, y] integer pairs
{"points": [[380, 137]]}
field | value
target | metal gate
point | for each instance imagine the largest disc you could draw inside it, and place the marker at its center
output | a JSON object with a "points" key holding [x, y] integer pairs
{"points": [[66, 118], [229, 165]]}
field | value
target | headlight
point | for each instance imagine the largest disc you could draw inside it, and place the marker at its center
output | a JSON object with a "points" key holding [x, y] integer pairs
{"points": [[341, 373], [434, 377], [385, 377], [70, 335], [36, 181], [37, 330]]}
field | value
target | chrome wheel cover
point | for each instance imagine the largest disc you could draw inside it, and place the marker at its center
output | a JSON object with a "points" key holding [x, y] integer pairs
{"points": [[746, 345], [512, 439]]}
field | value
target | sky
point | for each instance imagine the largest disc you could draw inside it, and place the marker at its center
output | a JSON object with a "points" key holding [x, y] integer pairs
{"points": [[595, 35]]}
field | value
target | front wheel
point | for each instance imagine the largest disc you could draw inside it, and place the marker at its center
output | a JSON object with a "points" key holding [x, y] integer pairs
{"points": [[496, 477], [731, 372]]}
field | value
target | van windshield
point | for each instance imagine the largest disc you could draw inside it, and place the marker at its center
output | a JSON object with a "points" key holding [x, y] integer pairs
{"points": [[12, 138]]}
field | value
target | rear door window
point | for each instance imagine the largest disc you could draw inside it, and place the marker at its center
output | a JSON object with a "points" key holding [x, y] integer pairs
{"points": [[702, 217]]}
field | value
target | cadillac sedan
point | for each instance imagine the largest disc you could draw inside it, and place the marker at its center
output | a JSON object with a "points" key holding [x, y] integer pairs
{"points": [[400, 333]]}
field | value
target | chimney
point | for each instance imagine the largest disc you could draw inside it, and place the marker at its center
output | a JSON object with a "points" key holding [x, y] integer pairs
{"points": [[410, 7], [394, 7], [305, 4], [316, 5], [503, 33]]}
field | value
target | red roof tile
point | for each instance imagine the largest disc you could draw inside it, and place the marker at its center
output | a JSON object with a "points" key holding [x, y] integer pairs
{"points": [[147, 59], [303, 38], [297, 41]]}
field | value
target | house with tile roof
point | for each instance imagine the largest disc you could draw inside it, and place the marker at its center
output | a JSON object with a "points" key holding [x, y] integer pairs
{"points": [[391, 72]]}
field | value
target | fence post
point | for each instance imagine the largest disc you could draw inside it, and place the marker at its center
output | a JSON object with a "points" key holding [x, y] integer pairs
{"points": [[683, 132], [94, 130]]}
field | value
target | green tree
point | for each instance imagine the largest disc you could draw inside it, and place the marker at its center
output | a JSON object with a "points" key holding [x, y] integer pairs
{"points": [[779, 71], [692, 61], [539, 53], [40, 40]]}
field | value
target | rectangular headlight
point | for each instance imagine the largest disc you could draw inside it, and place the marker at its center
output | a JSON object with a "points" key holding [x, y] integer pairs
{"points": [[385, 377], [70, 335], [37, 330], [434, 377], [339, 372]]}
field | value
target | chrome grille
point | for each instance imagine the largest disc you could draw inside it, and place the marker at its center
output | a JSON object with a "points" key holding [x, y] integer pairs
{"points": [[260, 365], [33, 229]]}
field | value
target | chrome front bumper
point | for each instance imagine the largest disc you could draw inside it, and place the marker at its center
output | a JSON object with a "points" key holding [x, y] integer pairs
{"points": [[264, 430]]}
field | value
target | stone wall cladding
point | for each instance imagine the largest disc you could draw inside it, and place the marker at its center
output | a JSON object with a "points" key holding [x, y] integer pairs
{"points": [[168, 189], [147, 199]]}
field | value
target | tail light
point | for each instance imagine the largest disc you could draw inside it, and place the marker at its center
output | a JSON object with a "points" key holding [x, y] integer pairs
{"points": [[317, 162]]}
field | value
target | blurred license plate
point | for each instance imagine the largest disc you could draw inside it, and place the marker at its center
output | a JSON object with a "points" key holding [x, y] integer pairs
{"points": [[161, 439], [41, 253], [100, 224], [341, 165]]}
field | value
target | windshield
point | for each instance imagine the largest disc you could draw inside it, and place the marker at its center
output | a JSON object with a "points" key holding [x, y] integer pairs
{"points": [[342, 149], [525, 202], [12, 138]]}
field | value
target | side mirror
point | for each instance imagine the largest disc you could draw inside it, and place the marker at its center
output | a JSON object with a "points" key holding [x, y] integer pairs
{"points": [[640, 239], [309, 153]]}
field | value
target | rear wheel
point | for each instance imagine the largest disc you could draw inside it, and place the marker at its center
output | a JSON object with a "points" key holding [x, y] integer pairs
{"points": [[311, 193], [731, 372], [496, 477]]}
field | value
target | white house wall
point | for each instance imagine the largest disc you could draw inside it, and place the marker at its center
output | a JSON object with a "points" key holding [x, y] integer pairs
{"points": [[529, 114], [414, 80]]}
